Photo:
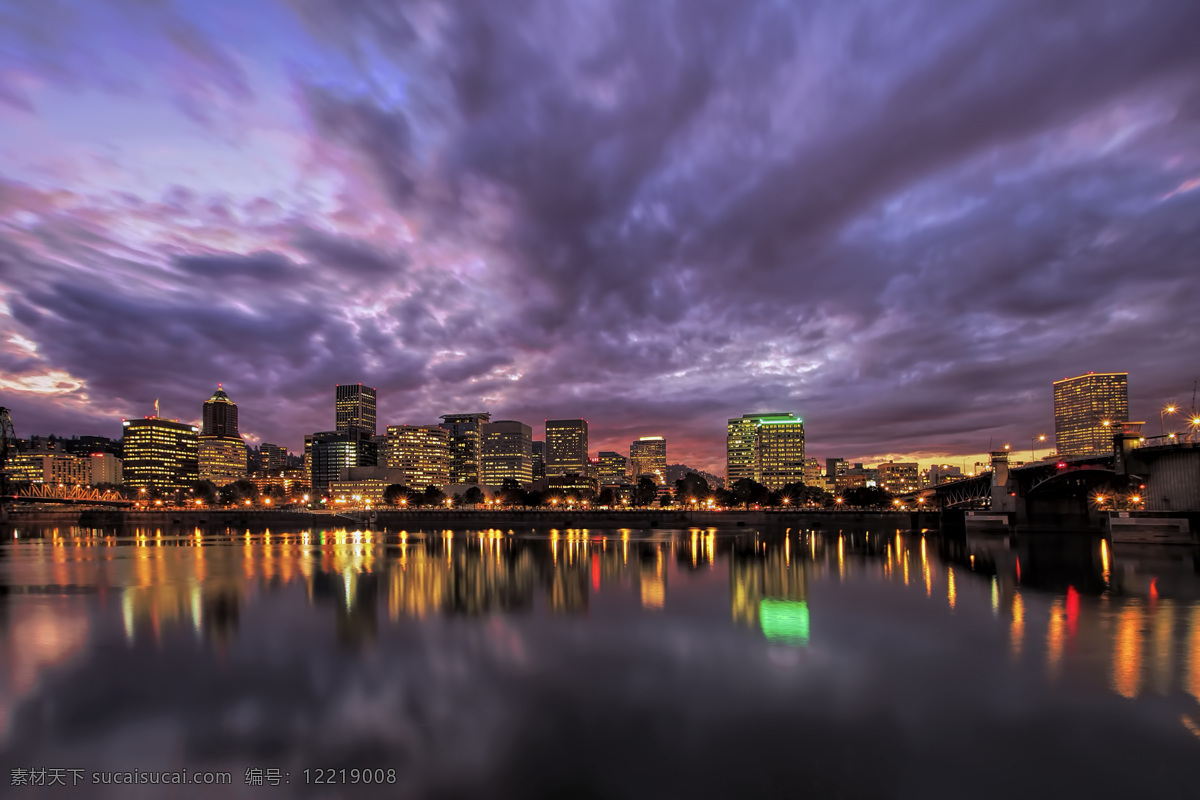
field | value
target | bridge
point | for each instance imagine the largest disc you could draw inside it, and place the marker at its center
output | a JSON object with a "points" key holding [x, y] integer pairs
{"points": [[65, 495]]}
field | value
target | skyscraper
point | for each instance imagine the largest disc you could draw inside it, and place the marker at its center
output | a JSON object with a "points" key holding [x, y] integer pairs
{"points": [[741, 452], [220, 415], [420, 452], [566, 447], [507, 448], [539, 459], [768, 448], [465, 431], [221, 453], [160, 453], [899, 477], [648, 456], [1088, 410], [331, 452], [354, 408]]}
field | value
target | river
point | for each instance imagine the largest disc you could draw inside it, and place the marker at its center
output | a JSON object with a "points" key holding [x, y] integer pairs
{"points": [[595, 664]]}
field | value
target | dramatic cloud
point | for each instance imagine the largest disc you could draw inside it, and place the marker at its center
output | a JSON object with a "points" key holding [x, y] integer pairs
{"points": [[902, 224]]}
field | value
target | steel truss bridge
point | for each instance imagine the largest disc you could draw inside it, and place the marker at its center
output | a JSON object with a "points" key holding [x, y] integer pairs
{"points": [[66, 495]]}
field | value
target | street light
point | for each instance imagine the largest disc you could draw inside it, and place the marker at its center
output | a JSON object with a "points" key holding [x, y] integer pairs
{"points": [[1161, 424], [1041, 437]]}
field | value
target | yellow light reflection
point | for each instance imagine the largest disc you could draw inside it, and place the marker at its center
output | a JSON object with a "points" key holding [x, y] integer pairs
{"points": [[1127, 653], [1193, 685], [1104, 559], [1017, 632], [995, 596], [1164, 627], [1054, 638], [926, 572], [951, 592]]}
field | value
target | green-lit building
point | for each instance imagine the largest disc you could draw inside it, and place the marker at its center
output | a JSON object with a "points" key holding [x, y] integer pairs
{"points": [[768, 448]]}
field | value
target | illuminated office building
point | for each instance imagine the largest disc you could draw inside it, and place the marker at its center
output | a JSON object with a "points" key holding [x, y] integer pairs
{"points": [[332, 452], [220, 415], [768, 448], [899, 477], [507, 453], [648, 456], [354, 409], [1088, 411], [741, 450], [420, 452], [103, 468], [273, 457], [221, 453], [566, 447], [612, 469], [160, 453], [53, 468], [465, 436], [812, 472]]}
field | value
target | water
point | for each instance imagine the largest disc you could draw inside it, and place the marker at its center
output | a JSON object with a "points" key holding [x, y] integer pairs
{"points": [[598, 664]]}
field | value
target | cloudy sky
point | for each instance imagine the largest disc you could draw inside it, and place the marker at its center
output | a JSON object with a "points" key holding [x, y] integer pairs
{"points": [[901, 221]]}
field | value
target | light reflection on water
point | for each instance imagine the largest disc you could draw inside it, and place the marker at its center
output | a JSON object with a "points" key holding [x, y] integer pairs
{"points": [[681, 641]]}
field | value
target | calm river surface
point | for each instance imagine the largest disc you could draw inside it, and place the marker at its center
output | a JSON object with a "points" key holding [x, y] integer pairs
{"points": [[597, 664]]}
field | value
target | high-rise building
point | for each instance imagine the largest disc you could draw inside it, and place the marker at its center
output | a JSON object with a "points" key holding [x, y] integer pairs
{"points": [[1088, 412], [768, 448], [648, 456], [273, 457], [741, 450], [54, 467], [507, 448], [465, 432], [539, 459], [221, 453], [220, 416], [812, 472], [566, 447], [899, 477], [612, 469], [835, 467], [331, 452], [160, 453], [780, 450], [354, 408], [420, 452]]}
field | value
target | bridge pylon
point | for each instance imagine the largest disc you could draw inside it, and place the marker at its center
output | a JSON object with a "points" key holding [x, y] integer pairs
{"points": [[1003, 487]]}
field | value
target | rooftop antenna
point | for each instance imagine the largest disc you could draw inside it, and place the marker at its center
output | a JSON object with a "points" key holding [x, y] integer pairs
{"points": [[156, 406]]}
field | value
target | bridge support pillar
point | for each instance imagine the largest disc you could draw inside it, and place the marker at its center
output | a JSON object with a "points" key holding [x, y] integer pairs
{"points": [[1003, 487]]}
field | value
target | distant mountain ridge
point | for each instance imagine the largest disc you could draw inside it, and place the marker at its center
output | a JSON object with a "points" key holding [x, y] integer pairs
{"points": [[677, 471]]}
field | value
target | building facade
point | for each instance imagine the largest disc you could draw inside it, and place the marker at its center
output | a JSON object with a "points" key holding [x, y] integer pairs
{"points": [[539, 459], [899, 477], [1088, 412], [612, 468], [566, 447], [465, 432], [273, 457], [648, 456], [507, 453], [354, 408], [160, 454], [104, 468], [813, 475], [331, 452], [221, 453], [741, 454], [421, 453], [768, 448]]}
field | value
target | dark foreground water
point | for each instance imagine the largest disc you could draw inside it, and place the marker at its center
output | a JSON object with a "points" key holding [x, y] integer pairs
{"points": [[596, 664]]}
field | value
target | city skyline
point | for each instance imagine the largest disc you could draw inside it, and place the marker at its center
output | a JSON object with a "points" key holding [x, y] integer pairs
{"points": [[906, 250]]}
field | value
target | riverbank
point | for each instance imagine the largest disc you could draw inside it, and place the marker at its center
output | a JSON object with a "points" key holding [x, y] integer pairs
{"points": [[470, 519]]}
